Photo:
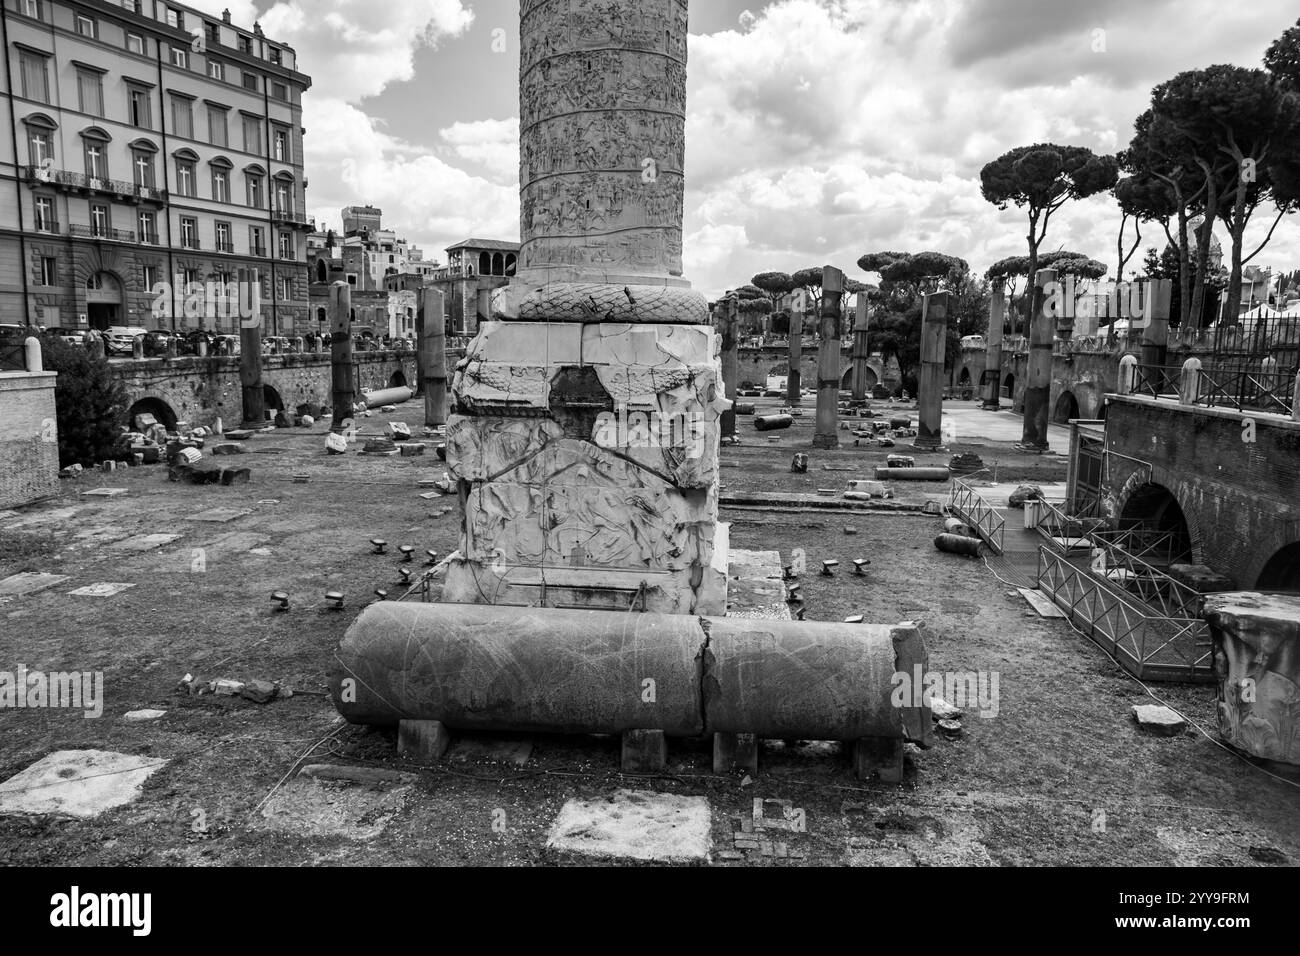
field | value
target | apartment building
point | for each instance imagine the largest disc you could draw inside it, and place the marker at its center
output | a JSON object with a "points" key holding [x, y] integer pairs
{"points": [[150, 143]]}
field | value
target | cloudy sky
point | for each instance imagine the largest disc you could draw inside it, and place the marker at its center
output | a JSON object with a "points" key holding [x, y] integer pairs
{"points": [[817, 129]]}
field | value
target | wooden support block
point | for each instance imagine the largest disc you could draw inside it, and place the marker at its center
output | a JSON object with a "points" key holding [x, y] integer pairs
{"points": [[880, 757], [424, 741], [644, 751], [735, 752]]}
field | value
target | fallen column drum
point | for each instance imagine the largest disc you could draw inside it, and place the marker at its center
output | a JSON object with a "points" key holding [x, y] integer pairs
{"points": [[507, 669]]}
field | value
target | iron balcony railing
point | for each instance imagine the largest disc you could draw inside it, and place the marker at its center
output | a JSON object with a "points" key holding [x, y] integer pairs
{"points": [[1146, 643], [110, 187], [289, 215], [47, 225], [968, 505], [103, 235]]}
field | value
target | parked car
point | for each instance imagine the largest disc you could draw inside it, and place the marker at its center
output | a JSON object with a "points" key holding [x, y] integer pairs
{"points": [[156, 342], [13, 340], [69, 336], [188, 343], [231, 343], [120, 339]]}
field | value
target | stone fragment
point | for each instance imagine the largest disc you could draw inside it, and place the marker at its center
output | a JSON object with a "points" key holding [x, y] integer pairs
{"points": [[1023, 494], [951, 729], [636, 825], [414, 451], [77, 783], [1158, 720], [258, 691], [942, 710], [228, 448], [336, 444], [143, 716]]}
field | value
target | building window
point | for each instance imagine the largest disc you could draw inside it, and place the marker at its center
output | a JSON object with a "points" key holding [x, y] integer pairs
{"points": [[245, 44], [280, 91], [86, 26], [45, 221], [220, 185], [135, 44], [283, 197], [90, 92], [256, 242], [98, 220], [189, 232], [148, 232], [49, 271], [253, 136], [217, 127], [149, 275], [185, 176], [224, 241], [182, 117], [286, 245], [175, 18], [180, 58], [217, 70], [141, 114], [281, 146], [250, 81], [286, 288], [144, 169], [96, 160], [36, 76], [39, 145], [273, 54], [32, 8], [255, 191]]}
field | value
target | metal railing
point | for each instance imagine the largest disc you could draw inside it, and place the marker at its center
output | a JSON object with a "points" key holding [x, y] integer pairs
{"points": [[1239, 387], [1063, 532], [105, 235], [1143, 580], [1150, 544], [1157, 381], [289, 215], [1146, 643], [968, 505]]}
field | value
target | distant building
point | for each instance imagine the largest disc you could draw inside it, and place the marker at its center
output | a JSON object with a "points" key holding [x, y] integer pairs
{"points": [[474, 268], [153, 142], [383, 270]]}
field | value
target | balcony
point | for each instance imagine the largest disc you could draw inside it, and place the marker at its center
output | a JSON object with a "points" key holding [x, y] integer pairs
{"points": [[227, 247], [48, 226], [291, 217], [81, 183], [190, 244], [257, 252], [101, 235]]}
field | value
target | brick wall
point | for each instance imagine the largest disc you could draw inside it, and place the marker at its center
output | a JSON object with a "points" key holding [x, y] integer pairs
{"points": [[29, 450], [1241, 500]]}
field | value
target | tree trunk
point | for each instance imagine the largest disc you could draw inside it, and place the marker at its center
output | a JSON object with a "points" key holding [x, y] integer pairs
{"points": [[1237, 230], [1211, 212]]}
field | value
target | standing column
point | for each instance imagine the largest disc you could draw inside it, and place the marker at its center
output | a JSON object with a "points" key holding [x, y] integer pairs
{"points": [[934, 339], [993, 349], [730, 313], [433, 358], [828, 360], [861, 352], [250, 358], [1155, 331], [344, 392], [1038, 384], [794, 383]]}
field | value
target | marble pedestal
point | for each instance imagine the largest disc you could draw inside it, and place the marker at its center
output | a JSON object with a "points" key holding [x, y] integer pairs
{"points": [[1257, 663], [587, 462]]}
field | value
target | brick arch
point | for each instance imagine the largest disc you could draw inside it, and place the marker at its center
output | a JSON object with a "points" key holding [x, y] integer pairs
{"points": [[846, 376], [1160, 477]]}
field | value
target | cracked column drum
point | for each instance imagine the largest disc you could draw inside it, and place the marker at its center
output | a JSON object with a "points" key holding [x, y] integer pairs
{"points": [[521, 670], [602, 91], [812, 680]]}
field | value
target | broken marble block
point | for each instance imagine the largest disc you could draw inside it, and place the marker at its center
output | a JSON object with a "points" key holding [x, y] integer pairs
{"points": [[1257, 664], [1161, 721], [588, 459]]}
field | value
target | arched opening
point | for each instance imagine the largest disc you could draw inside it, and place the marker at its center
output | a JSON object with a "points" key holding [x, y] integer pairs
{"points": [[485, 264], [271, 398], [160, 410], [512, 263], [322, 271], [964, 378], [1154, 509], [103, 300], [398, 380], [1067, 409], [322, 316], [1282, 573], [1009, 387], [498, 265], [873, 380]]}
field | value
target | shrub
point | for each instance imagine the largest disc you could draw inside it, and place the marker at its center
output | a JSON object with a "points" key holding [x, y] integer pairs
{"points": [[89, 401]]}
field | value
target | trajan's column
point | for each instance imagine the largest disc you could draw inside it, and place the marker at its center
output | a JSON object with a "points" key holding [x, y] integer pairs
{"points": [[586, 428]]}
